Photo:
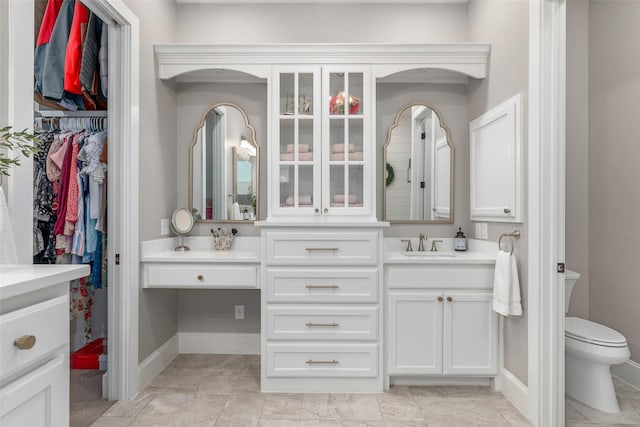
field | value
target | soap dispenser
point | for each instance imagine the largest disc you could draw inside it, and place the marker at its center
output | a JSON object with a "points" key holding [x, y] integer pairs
{"points": [[460, 241]]}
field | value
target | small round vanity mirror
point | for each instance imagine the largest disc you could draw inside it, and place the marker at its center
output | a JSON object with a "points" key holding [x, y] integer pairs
{"points": [[182, 223]]}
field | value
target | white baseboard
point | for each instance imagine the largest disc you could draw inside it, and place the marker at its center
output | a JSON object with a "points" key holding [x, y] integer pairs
{"points": [[428, 381], [155, 363], [629, 372], [219, 343], [515, 392]]}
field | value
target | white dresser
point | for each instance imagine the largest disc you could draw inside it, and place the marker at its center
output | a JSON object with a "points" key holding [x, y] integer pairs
{"points": [[34, 344], [321, 317]]}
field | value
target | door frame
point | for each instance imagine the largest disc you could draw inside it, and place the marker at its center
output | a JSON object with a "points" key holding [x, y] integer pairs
{"points": [[123, 105], [546, 210]]}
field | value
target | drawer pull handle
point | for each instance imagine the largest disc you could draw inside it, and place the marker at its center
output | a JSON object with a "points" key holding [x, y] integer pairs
{"points": [[449, 299], [200, 277], [319, 362], [322, 286], [25, 342], [322, 249], [331, 325], [439, 299]]}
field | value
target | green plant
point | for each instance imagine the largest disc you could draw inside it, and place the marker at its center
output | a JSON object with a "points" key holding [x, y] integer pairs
{"points": [[25, 143]]}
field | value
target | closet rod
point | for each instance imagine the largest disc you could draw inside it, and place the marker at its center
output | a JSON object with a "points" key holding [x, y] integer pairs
{"points": [[61, 113]]}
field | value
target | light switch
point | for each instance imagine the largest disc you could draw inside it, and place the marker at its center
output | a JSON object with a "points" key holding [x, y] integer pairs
{"points": [[478, 230], [485, 231], [239, 312]]}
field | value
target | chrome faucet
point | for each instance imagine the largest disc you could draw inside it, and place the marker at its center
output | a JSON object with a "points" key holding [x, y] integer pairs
{"points": [[409, 247], [434, 245], [423, 237]]}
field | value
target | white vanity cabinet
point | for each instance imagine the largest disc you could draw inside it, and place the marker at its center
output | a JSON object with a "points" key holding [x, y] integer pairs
{"points": [[322, 146], [34, 344], [439, 320], [321, 312]]}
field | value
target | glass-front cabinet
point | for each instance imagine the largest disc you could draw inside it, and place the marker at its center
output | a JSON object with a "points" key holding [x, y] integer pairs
{"points": [[322, 131]]}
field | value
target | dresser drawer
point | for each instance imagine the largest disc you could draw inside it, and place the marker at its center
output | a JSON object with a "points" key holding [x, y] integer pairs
{"points": [[47, 322], [331, 323], [201, 276], [432, 276], [322, 285], [323, 360], [318, 248]]}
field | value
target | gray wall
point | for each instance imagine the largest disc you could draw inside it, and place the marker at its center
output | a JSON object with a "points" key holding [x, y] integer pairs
{"points": [[577, 152], [614, 90], [158, 191], [505, 24]]}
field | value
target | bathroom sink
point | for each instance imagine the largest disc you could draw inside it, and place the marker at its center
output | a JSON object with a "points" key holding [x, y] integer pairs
{"points": [[437, 254]]}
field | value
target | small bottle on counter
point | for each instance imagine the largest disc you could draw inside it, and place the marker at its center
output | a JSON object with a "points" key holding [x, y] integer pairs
{"points": [[245, 214], [460, 241]]}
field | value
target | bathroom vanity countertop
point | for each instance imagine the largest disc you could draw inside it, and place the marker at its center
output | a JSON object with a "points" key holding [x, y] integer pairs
{"points": [[393, 257], [208, 256], [245, 249], [21, 279]]}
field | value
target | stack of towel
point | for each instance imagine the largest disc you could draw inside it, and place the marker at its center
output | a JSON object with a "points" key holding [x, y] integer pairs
{"points": [[337, 152], [304, 200], [339, 200], [304, 153], [506, 286]]}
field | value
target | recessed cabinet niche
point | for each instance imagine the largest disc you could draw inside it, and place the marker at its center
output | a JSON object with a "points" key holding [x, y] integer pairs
{"points": [[322, 136]]}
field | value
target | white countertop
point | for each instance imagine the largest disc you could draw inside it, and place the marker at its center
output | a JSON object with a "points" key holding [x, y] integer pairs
{"points": [[479, 252], [243, 250], [20, 279]]}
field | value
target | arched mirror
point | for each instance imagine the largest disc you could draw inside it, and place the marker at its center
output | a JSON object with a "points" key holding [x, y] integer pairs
{"points": [[419, 164], [223, 166]]}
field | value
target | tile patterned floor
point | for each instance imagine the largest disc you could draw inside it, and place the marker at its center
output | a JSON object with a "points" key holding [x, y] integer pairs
{"points": [[223, 390], [579, 415]]}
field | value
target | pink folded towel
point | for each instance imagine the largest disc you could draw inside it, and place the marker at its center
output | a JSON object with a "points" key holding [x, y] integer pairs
{"points": [[339, 198], [339, 148], [305, 157], [336, 157], [341, 205], [358, 155], [286, 157], [302, 148]]}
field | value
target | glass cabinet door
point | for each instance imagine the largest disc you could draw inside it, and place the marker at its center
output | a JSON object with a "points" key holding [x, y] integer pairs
{"points": [[298, 136], [344, 139]]}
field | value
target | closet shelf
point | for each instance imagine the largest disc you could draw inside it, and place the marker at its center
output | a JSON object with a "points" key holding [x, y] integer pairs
{"points": [[63, 113]]}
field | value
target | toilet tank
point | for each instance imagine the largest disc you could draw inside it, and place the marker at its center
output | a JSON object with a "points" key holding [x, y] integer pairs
{"points": [[570, 279]]}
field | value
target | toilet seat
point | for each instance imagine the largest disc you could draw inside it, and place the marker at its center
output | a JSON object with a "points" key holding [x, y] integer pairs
{"points": [[593, 333]]}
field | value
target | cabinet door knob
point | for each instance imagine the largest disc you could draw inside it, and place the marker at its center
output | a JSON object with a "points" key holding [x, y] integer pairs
{"points": [[316, 210], [25, 342], [439, 299], [200, 277], [449, 299], [507, 210], [326, 210]]}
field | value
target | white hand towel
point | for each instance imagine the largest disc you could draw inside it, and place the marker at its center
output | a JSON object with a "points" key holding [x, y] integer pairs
{"points": [[236, 215], [506, 286], [8, 252]]}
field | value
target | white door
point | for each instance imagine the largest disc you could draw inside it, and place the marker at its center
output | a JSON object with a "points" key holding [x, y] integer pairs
{"points": [[415, 332], [470, 334]]}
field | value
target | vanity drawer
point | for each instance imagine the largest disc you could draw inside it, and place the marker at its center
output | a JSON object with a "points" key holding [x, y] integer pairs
{"points": [[47, 322], [432, 276], [331, 323], [321, 248], [201, 276], [322, 285], [322, 360]]}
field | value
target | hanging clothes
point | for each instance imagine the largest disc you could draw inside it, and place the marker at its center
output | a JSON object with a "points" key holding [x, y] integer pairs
{"points": [[73, 56], [44, 36], [54, 59]]}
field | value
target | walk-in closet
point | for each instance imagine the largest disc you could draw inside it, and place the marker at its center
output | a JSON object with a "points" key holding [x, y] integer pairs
{"points": [[70, 176]]}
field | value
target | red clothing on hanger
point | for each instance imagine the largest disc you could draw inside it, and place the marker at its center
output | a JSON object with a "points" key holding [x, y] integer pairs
{"points": [[73, 57]]}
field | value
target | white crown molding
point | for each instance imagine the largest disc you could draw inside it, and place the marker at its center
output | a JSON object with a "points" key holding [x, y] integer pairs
{"points": [[465, 58], [392, 2]]}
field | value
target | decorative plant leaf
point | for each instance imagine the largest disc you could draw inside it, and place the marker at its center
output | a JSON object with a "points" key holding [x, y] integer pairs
{"points": [[22, 142]]}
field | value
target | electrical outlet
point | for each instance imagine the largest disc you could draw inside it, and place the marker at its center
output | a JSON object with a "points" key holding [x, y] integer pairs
{"points": [[164, 227], [485, 231], [239, 312]]}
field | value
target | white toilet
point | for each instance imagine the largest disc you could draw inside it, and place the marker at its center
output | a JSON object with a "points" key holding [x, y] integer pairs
{"points": [[590, 350]]}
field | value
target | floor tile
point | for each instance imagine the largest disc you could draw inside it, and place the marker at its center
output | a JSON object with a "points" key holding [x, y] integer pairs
{"points": [[83, 414], [217, 384], [282, 407], [242, 407], [166, 404], [111, 422], [247, 384]]}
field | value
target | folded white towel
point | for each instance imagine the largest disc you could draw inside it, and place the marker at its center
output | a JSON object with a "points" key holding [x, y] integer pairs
{"points": [[235, 212], [506, 286]]}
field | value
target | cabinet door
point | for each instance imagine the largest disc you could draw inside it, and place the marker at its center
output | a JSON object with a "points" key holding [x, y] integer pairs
{"points": [[39, 398], [470, 334], [497, 184], [296, 132], [346, 141], [415, 332]]}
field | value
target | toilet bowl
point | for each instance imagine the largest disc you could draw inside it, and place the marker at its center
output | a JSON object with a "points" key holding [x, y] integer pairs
{"points": [[590, 350]]}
